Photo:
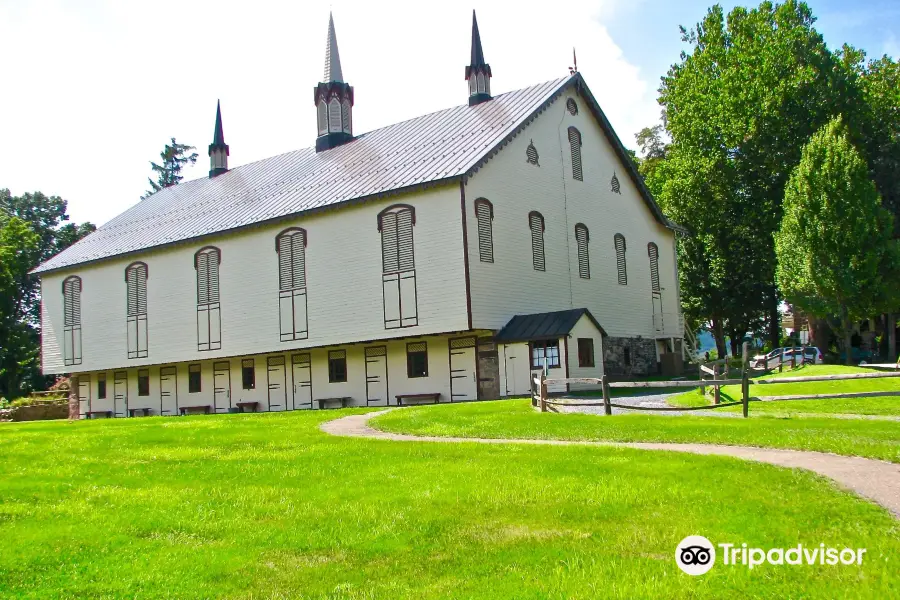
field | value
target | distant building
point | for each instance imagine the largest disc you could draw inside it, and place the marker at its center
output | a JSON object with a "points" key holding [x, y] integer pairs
{"points": [[452, 254]]}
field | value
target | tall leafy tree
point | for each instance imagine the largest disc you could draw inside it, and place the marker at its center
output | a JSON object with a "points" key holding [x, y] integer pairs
{"points": [[35, 227], [174, 157], [739, 107], [835, 247]]}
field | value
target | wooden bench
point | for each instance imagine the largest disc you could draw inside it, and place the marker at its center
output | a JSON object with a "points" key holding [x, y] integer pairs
{"points": [[416, 398], [183, 410], [93, 413], [134, 411], [253, 406], [344, 401]]}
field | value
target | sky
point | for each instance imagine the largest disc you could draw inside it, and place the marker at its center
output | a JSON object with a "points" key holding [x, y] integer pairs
{"points": [[93, 89]]}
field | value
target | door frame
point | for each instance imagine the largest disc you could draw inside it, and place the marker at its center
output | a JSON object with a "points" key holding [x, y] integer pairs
{"points": [[228, 371], [450, 349], [269, 381], [115, 379], [87, 381], [294, 381], [387, 389], [175, 376]]}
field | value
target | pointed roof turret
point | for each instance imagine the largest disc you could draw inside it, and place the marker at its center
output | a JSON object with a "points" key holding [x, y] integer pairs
{"points": [[333, 98], [218, 150], [332, 57], [478, 73]]}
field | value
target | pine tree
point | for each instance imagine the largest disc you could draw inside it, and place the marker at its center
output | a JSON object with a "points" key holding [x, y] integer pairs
{"points": [[174, 157]]}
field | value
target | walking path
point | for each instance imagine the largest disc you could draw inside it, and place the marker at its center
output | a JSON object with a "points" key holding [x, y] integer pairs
{"points": [[873, 479]]}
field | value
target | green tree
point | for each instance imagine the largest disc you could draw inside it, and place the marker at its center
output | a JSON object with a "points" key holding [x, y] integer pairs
{"points": [[835, 247], [739, 106], [45, 219], [653, 148], [174, 157]]}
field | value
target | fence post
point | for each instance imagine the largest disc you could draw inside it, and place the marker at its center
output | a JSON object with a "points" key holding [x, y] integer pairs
{"points": [[604, 382], [745, 378], [543, 393], [717, 398], [703, 387]]}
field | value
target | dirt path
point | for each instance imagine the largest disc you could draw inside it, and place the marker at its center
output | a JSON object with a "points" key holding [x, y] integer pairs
{"points": [[874, 479]]}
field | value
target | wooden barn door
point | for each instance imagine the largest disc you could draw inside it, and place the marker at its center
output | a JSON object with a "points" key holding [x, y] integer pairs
{"points": [[221, 386], [120, 393], [302, 378], [168, 391], [463, 380], [84, 395], [376, 376], [277, 380]]}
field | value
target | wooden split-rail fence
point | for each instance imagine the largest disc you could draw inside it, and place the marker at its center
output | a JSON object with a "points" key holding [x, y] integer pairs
{"points": [[544, 402]]}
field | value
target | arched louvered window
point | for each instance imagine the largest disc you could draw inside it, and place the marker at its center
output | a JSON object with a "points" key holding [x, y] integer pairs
{"points": [[136, 321], [653, 253], [484, 213], [536, 224], [398, 266], [291, 247], [209, 318], [345, 116], [572, 107], [334, 115], [71, 289], [575, 146], [582, 237], [619, 241], [323, 118], [531, 154]]}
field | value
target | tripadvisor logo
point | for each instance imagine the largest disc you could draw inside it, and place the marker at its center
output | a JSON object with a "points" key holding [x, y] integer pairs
{"points": [[696, 555]]}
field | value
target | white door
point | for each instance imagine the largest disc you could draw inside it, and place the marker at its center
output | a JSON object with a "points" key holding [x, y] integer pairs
{"points": [[120, 394], [376, 376], [84, 395], [277, 377], [221, 386], [463, 383], [516, 359], [168, 391], [302, 378]]}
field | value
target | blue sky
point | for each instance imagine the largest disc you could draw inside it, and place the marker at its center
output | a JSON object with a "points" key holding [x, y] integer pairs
{"points": [[93, 89]]}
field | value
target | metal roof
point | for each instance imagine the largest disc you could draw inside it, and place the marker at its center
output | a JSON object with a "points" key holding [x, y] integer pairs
{"points": [[438, 147], [544, 326]]}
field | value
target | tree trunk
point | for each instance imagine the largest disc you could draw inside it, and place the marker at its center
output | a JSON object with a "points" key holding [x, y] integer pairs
{"points": [[846, 331], [819, 333], [718, 332], [774, 320], [74, 405], [892, 336]]}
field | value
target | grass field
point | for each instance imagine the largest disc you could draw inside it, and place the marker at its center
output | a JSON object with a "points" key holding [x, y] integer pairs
{"points": [[516, 419], [267, 506], [878, 405]]}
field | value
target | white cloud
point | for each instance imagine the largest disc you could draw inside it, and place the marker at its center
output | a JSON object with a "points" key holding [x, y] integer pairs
{"points": [[94, 88]]}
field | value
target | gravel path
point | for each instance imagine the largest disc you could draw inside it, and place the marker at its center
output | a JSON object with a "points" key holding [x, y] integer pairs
{"points": [[649, 399], [874, 479]]}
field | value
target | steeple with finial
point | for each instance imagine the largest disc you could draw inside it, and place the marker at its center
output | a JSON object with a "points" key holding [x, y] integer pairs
{"points": [[478, 73], [218, 150], [333, 98]]}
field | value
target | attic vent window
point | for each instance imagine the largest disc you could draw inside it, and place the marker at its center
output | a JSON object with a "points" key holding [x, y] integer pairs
{"points": [[614, 184], [575, 147], [572, 107], [531, 154]]}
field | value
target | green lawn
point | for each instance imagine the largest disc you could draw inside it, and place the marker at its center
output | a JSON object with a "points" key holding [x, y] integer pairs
{"points": [[267, 506], [516, 419], [878, 405]]}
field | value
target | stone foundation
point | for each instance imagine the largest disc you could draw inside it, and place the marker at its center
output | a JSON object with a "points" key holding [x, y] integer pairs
{"points": [[640, 358], [40, 412]]}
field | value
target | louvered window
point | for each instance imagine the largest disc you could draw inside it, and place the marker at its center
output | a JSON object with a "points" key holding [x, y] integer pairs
{"points": [[323, 118], [575, 146], [484, 213], [72, 320], [536, 224], [291, 247], [334, 115], [345, 116], [582, 237], [653, 253], [619, 241], [572, 107], [209, 318], [398, 266], [136, 319]]}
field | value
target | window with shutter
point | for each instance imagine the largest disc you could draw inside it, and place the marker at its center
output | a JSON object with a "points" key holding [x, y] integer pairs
{"points": [[572, 107], [619, 241], [536, 224], [71, 289], [136, 313], [484, 214], [323, 118], [653, 253], [582, 237], [575, 146], [398, 266], [291, 247], [209, 318]]}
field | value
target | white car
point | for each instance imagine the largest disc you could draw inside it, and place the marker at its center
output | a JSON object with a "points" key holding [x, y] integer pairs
{"points": [[811, 355]]}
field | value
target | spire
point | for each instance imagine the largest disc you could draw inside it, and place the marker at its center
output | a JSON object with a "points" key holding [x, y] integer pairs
{"points": [[218, 150], [333, 98], [478, 73], [332, 57]]}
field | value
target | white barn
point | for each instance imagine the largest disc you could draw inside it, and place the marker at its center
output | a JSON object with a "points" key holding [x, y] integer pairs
{"points": [[449, 255]]}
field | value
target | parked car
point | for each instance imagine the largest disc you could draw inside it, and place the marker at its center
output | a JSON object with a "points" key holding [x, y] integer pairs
{"points": [[810, 354]]}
